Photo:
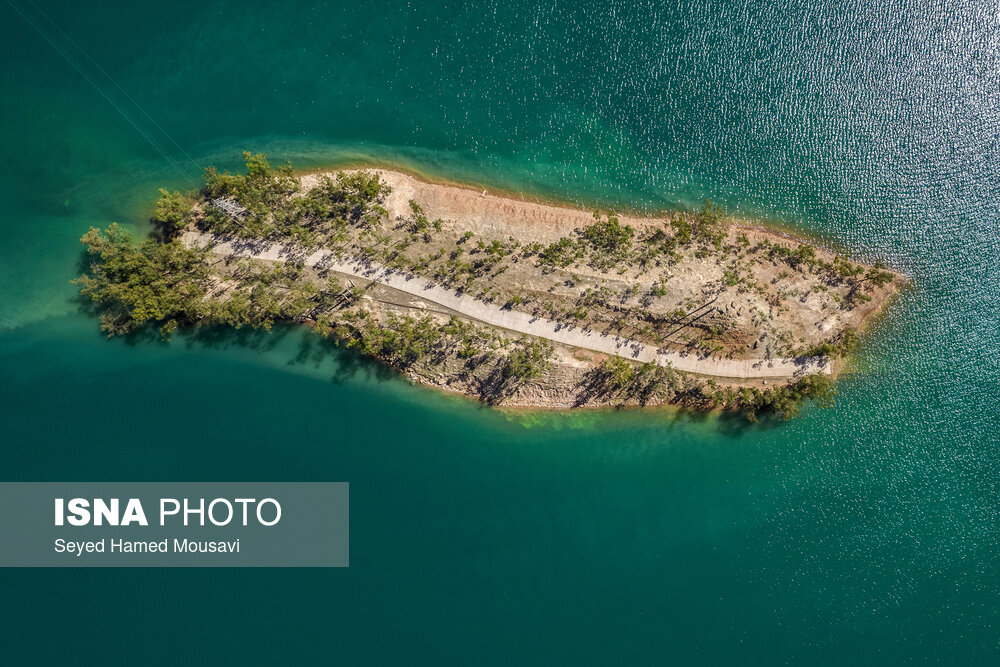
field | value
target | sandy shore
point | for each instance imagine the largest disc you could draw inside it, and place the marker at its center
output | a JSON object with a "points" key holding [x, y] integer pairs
{"points": [[527, 220]]}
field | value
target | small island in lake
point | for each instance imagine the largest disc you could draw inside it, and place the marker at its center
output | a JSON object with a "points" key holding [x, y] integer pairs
{"points": [[513, 302]]}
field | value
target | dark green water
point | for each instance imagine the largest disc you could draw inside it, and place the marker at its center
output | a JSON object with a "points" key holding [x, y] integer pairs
{"points": [[864, 534]]}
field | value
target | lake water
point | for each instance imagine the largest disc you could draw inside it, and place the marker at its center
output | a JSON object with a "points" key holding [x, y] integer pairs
{"points": [[863, 534]]}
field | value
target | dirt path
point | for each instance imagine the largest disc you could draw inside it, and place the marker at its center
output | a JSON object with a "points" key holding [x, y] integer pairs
{"points": [[512, 320]]}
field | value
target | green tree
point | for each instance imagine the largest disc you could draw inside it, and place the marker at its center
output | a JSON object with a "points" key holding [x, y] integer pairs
{"points": [[619, 373], [529, 361], [709, 224], [261, 191], [683, 231], [561, 253], [609, 240], [878, 277], [137, 285], [401, 340], [173, 212]]}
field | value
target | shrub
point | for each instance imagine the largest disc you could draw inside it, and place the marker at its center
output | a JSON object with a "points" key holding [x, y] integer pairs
{"points": [[529, 361], [608, 237], [561, 253]]}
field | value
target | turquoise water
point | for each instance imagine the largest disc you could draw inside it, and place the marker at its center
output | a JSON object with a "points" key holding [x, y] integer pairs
{"points": [[867, 533]]}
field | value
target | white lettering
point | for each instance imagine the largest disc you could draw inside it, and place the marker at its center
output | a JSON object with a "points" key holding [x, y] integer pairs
{"points": [[200, 511], [211, 511], [78, 548], [277, 511], [163, 509], [104, 512], [80, 514], [244, 502], [134, 513]]}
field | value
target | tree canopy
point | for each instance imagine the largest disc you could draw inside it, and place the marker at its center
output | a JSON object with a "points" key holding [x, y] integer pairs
{"points": [[155, 283]]}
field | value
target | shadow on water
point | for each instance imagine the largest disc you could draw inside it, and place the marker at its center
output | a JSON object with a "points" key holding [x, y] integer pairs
{"points": [[733, 424], [346, 365], [310, 350], [316, 352], [221, 337]]}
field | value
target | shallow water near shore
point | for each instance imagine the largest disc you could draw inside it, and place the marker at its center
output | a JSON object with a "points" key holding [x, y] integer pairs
{"points": [[866, 533]]}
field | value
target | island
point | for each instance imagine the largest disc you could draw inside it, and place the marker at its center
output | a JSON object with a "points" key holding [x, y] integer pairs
{"points": [[512, 301]]}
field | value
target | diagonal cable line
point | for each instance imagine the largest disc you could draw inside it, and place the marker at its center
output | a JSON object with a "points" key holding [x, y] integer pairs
{"points": [[113, 81], [129, 118]]}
